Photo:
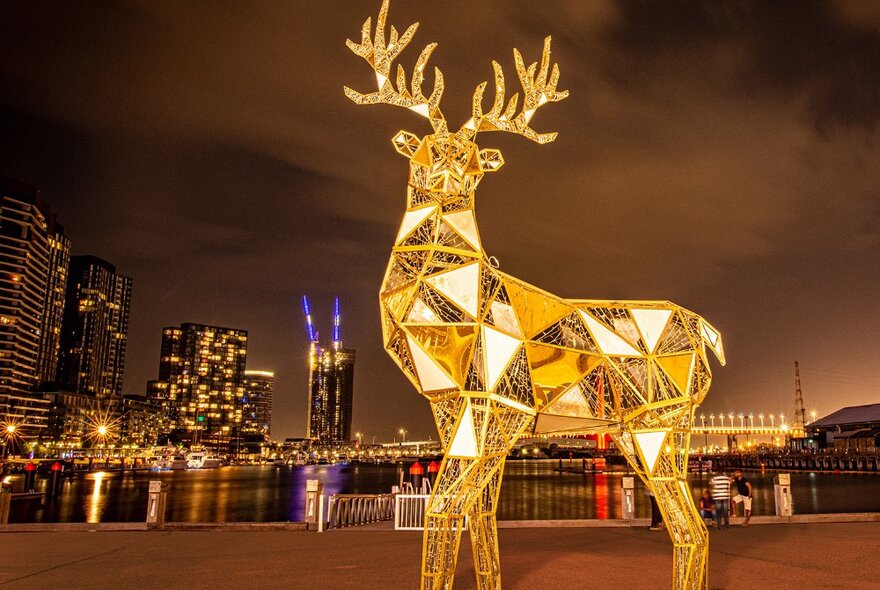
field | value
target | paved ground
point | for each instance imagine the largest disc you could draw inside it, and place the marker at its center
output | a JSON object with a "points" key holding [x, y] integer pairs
{"points": [[816, 556]]}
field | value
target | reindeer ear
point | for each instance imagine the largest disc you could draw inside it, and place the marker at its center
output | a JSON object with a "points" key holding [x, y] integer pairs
{"points": [[406, 143], [491, 160]]}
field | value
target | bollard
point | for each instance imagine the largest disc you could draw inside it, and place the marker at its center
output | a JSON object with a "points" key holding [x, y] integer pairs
{"points": [[30, 476], [433, 469], [782, 494], [314, 505], [416, 473], [156, 502], [628, 498], [56, 479]]}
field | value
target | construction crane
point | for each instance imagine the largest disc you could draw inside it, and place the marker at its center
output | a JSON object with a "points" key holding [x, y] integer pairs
{"points": [[800, 414], [307, 310]]}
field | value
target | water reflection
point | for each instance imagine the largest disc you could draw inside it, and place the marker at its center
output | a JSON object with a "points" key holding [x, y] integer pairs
{"points": [[95, 502], [531, 490]]}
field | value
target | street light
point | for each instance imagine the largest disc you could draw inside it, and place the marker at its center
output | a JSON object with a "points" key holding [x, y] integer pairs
{"points": [[721, 417], [402, 432], [761, 416], [741, 421], [712, 418], [812, 416], [10, 433], [772, 422]]}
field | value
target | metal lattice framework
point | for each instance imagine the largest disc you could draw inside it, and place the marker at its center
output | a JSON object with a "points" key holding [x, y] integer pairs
{"points": [[498, 358]]}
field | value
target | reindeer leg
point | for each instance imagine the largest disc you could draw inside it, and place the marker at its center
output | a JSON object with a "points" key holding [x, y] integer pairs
{"points": [[484, 532], [469, 486], [668, 483], [444, 522]]}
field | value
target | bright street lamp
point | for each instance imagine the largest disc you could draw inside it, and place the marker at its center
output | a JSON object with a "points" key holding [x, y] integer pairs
{"points": [[402, 432]]}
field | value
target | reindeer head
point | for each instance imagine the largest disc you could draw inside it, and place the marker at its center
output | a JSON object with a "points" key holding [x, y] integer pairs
{"points": [[443, 165]]}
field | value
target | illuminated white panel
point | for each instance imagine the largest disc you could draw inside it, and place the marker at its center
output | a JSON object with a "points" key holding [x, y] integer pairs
{"points": [[650, 444], [608, 341], [498, 349], [651, 324], [461, 286], [411, 220], [464, 223], [422, 314], [431, 376], [464, 444], [504, 317], [421, 109], [709, 334], [570, 403]]}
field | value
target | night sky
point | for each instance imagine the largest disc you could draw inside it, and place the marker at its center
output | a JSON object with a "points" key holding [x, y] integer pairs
{"points": [[723, 155]]}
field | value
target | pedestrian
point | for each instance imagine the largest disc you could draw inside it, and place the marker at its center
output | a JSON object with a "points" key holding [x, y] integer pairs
{"points": [[744, 495], [656, 515], [721, 494], [707, 507]]}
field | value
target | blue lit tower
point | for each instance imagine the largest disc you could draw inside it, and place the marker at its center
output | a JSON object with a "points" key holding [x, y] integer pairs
{"points": [[331, 382]]}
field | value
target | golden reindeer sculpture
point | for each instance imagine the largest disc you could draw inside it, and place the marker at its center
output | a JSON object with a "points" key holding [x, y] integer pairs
{"points": [[498, 358]]}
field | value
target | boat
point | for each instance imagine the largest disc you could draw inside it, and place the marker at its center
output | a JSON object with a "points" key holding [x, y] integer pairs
{"points": [[168, 459], [300, 459], [200, 458]]}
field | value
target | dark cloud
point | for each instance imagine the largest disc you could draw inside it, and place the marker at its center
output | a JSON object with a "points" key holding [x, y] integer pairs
{"points": [[722, 155]]}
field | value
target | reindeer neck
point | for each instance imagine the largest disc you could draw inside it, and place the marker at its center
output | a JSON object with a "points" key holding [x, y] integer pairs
{"points": [[436, 235]]}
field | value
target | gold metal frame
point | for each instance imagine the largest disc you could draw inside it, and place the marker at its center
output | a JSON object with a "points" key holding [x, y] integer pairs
{"points": [[498, 358]]}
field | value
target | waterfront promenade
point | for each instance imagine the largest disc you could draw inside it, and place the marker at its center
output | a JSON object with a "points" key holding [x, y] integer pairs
{"points": [[821, 556]]}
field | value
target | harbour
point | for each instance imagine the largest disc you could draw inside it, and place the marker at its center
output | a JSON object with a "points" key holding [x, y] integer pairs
{"points": [[532, 490]]}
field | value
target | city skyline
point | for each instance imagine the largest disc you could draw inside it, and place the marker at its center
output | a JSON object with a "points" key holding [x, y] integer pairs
{"points": [[752, 127]]}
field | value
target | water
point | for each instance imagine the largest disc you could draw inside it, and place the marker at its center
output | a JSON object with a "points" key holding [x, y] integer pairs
{"points": [[531, 490]]}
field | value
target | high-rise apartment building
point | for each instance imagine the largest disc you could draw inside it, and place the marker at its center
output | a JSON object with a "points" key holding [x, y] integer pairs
{"points": [[94, 333], [201, 384], [33, 260], [257, 402], [331, 384], [53, 307]]}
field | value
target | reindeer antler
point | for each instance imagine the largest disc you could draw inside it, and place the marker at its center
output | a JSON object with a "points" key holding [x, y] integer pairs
{"points": [[380, 55], [538, 90]]}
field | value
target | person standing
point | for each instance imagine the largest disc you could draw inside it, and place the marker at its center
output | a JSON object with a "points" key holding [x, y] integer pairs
{"points": [[721, 494], [656, 515], [744, 495]]}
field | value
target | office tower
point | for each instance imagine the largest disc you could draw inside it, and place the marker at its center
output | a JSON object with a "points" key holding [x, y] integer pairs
{"points": [[201, 384], [33, 260], [95, 329], [257, 402], [331, 383]]}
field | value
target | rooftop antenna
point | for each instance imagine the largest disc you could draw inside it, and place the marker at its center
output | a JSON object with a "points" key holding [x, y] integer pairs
{"points": [[337, 342], [800, 414], [307, 310]]}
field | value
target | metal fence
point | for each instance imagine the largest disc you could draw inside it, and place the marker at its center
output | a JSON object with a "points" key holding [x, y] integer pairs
{"points": [[409, 511], [346, 510]]}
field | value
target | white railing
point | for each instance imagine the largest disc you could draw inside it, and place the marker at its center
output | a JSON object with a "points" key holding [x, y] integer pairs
{"points": [[409, 511], [346, 510]]}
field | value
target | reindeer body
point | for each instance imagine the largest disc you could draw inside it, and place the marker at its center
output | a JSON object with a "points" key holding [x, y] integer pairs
{"points": [[498, 358]]}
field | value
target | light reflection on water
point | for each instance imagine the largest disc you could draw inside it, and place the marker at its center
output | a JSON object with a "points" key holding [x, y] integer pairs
{"points": [[531, 490]]}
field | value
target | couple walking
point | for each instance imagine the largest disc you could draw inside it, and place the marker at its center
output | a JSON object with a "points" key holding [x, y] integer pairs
{"points": [[720, 497]]}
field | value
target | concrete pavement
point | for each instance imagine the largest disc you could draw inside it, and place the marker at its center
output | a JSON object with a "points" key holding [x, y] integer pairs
{"points": [[820, 556]]}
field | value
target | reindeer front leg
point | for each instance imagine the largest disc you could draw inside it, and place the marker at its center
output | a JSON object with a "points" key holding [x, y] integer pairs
{"points": [[477, 435], [660, 459]]}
